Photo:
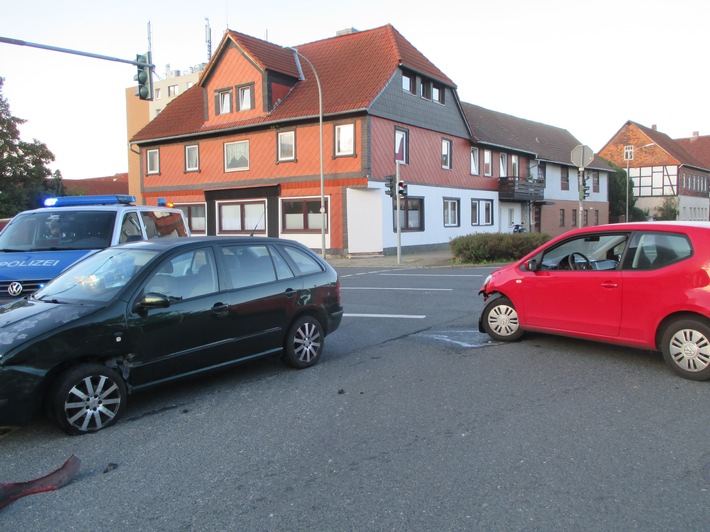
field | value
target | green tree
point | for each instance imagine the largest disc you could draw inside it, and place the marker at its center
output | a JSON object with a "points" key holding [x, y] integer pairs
{"points": [[23, 165], [618, 184]]}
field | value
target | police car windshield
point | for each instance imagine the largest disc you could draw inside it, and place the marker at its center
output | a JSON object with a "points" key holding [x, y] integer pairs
{"points": [[58, 229]]}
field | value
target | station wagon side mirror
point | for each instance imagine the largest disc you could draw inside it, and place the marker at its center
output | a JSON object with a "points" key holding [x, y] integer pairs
{"points": [[151, 300]]}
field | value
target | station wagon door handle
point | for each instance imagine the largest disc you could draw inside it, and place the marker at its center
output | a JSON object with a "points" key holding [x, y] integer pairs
{"points": [[220, 309], [290, 292], [610, 284]]}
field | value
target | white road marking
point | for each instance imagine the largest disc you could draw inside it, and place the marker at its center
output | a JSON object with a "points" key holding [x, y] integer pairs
{"points": [[395, 288], [405, 316]]}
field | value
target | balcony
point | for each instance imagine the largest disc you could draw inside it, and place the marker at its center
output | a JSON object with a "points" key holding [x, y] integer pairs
{"points": [[520, 189]]}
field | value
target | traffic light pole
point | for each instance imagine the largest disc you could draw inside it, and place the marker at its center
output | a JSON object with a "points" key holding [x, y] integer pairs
{"points": [[18, 42], [399, 220]]}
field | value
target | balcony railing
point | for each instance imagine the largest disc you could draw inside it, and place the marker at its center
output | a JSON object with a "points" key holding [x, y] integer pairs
{"points": [[520, 189]]}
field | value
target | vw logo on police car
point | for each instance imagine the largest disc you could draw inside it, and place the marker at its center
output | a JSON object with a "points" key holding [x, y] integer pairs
{"points": [[15, 289]]}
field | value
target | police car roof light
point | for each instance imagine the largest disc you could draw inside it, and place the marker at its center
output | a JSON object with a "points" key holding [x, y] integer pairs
{"points": [[73, 201]]}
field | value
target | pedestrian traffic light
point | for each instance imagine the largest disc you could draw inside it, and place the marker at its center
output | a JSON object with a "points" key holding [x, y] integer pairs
{"points": [[144, 77], [390, 185], [402, 189]]}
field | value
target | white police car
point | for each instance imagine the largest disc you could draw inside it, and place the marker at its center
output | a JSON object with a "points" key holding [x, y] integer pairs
{"points": [[39, 244]]}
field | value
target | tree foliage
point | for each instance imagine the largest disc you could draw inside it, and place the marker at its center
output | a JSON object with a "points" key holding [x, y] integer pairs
{"points": [[618, 185], [23, 166]]}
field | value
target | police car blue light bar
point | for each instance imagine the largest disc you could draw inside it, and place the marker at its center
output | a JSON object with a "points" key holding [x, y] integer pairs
{"points": [[73, 201]]}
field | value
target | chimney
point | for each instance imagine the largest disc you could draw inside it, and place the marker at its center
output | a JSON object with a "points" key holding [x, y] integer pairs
{"points": [[653, 127], [346, 31]]}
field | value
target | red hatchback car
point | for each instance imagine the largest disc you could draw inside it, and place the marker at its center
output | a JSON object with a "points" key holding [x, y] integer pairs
{"points": [[644, 285]]}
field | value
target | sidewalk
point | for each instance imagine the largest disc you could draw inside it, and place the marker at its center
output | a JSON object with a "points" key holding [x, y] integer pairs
{"points": [[439, 258]]}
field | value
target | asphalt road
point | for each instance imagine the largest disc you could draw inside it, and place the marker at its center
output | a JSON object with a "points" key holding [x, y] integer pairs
{"points": [[412, 421]]}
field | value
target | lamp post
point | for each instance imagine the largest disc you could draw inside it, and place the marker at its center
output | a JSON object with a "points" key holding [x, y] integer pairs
{"points": [[320, 126]]}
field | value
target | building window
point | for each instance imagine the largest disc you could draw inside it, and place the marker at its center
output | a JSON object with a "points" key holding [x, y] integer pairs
{"points": [[172, 91], [481, 212], [487, 166], [542, 171], [409, 82], [189, 84], [425, 91], [287, 146], [514, 166], [446, 154], [153, 164], [474, 162], [401, 145], [562, 217], [241, 217], [451, 212], [503, 165], [595, 181], [156, 94], [195, 216], [411, 215], [192, 158], [574, 217], [223, 102], [564, 178], [585, 218], [437, 92], [511, 217], [236, 156], [303, 215], [245, 98], [344, 140]]}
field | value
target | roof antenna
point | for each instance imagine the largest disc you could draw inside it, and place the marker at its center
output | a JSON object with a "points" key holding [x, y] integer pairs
{"points": [[208, 39]]}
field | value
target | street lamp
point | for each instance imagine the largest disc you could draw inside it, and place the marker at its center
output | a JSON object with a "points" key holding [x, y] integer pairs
{"points": [[629, 156], [320, 125]]}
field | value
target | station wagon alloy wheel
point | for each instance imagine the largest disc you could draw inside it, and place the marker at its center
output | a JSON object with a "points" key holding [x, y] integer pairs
{"points": [[87, 398], [304, 343]]}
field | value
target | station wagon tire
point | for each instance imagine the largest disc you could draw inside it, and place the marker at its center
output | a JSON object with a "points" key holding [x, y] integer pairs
{"points": [[500, 320], [304, 343], [87, 398], [686, 348]]}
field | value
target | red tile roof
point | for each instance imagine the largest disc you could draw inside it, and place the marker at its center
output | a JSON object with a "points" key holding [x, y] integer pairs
{"points": [[698, 147], [116, 184], [671, 147], [353, 70]]}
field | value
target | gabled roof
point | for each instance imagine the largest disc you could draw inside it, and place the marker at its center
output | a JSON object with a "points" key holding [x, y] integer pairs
{"points": [[507, 132], [698, 147], [671, 147], [353, 70]]}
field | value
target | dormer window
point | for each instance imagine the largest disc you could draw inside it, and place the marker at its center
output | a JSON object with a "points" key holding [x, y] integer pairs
{"points": [[246, 97], [223, 101], [426, 89], [409, 82], [437, 92]]}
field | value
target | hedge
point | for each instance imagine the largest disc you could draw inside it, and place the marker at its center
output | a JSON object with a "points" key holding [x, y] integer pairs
{"points": [[495, 247]]}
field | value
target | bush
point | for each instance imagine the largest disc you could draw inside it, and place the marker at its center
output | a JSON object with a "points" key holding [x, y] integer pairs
{"points": [[495, 247]]}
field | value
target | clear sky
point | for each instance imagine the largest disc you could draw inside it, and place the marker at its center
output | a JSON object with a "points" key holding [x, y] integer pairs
{"points": [[585, 66]]}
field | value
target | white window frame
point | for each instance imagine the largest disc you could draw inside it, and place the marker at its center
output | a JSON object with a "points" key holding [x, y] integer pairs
{"points": [[235, 145], [452, 206], [344, 140], [487, 163], [152, 161], [246, 217], [446, 154], [225, 102], [475, 169], [503, 168], [286, 143], [197, 224], [514, 166], [194, 149], [244, 95], [307, 220], [173, 91], [401, 138]]}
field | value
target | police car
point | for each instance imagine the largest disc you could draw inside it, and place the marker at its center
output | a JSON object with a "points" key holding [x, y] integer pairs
{"points": [[39, 244]]}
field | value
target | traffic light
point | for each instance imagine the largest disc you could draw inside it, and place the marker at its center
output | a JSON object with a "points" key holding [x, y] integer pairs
{"points": [[402, 189], [390, 185], [583, 189], [144, 77]]}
